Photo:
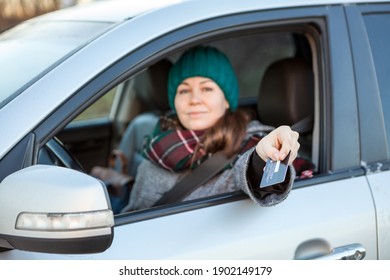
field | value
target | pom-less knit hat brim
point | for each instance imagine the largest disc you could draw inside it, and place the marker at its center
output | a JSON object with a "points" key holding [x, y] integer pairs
{"points": [[204, 62]]}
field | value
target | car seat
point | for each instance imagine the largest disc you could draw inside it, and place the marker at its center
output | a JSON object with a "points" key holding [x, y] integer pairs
{"points": [[150, 88], [286, 97]]}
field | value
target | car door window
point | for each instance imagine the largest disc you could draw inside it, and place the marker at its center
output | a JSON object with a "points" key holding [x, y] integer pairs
{"points": [[376, 25], [251, 56], [100, 109]]}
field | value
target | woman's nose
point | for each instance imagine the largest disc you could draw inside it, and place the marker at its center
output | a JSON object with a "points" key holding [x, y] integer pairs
{"points": [[195, 96]]}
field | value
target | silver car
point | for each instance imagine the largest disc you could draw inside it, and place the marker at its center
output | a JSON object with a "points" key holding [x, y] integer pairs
{"points": [[77, 83]]}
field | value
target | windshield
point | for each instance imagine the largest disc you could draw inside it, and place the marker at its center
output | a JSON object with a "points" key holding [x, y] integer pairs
{"points": [[26, 51]]}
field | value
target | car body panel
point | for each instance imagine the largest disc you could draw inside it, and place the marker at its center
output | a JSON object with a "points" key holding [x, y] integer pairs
{"points": [[380, 187], [242, 230]]}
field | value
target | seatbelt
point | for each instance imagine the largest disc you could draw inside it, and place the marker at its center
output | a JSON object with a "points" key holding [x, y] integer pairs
{"points": [[304, 125], [200, 175]]}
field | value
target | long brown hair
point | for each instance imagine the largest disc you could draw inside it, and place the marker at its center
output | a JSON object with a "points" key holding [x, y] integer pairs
{"points": [[226, 135]]}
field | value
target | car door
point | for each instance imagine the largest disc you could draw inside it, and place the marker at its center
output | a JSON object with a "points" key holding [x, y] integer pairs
{"points": [[331, 212]]}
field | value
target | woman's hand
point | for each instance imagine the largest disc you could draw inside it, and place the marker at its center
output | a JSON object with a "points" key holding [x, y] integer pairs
{"points": [[278, 143]]}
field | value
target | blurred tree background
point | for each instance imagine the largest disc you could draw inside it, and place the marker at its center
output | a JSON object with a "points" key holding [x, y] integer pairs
{"points": [[14, 11]]}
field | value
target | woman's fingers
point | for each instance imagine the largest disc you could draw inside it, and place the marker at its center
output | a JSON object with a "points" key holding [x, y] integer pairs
{"points": [[289, 143], [278, 144]]}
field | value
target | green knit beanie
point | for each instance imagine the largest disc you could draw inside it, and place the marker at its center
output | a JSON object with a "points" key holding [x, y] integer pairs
{"points": [[204, 62]]}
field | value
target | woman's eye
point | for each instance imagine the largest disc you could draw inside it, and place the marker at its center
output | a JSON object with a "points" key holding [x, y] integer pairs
{"points": [[183, 91], [207, 89]]}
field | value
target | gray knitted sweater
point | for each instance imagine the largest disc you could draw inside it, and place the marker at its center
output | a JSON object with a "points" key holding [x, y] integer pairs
{"points": [[153, 181]]}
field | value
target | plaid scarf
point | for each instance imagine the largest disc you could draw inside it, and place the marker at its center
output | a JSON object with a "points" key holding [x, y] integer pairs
{"points": [[178, 150]]}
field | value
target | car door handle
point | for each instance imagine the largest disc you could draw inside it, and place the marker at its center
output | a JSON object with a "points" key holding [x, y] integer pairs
{"points": [[320, 249], [347, 252]]}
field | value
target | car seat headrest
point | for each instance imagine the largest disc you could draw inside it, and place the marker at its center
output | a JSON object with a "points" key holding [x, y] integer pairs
{"points": [[286, 93], [151, 86]]}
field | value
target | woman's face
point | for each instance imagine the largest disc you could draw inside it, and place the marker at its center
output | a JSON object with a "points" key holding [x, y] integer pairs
{"points": [[199, 103]]}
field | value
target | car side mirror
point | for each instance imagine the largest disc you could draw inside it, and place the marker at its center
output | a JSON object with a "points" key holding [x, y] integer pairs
{"points": [[53, 209]]}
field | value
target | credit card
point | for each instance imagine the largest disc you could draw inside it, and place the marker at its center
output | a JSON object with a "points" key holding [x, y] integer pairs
{"points": [[274, 172]]}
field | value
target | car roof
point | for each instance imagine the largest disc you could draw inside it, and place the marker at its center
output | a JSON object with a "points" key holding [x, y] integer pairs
{"points": [[107, 10], [119, 10]]}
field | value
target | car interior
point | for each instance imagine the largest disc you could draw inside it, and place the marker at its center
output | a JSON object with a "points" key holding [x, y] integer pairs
{"points": [[276, 78]]}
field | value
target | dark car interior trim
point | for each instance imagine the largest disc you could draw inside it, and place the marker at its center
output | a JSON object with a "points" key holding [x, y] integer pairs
{"points": [[19, 157]]}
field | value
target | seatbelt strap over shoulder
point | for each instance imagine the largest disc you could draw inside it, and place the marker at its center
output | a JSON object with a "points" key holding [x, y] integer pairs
{"points": [[304, 125], [199, 176]]}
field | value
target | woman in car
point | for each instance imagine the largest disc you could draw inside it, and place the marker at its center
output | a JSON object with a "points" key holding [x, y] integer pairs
{"points": [[203, 94]]}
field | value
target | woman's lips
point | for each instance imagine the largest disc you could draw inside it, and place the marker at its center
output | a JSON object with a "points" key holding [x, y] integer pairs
{"points": [[194, 114]]}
